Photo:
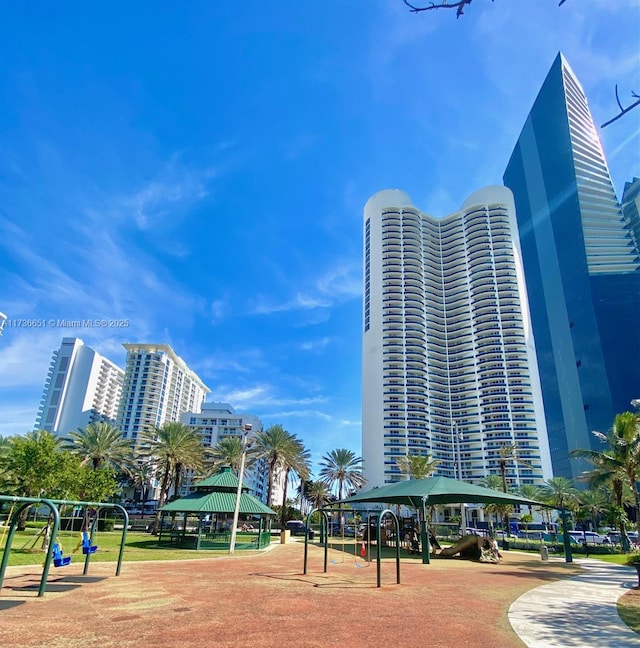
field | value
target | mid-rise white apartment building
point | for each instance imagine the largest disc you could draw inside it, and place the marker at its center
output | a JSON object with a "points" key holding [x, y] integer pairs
{"points": [[82, 387], [449, 364], [218, 421], [158, 387]]}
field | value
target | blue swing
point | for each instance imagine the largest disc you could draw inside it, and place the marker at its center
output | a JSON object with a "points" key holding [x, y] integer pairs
{"points": [[59, 559], [87, 547]]}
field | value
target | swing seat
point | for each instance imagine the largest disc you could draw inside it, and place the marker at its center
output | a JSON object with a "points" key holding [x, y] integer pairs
{"points": [[59, 559], [87, 547]]}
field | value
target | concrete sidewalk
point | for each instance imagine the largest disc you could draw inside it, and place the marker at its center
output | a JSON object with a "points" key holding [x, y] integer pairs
{"points": [[578, 612]]}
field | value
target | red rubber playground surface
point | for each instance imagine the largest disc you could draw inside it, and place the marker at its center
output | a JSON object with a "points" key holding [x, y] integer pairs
{"points": [[265, 601]]}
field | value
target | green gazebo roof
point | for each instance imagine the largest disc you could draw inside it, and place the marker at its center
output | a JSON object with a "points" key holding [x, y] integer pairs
{"points": [[217, 502], [217, 494], [224, 480]]}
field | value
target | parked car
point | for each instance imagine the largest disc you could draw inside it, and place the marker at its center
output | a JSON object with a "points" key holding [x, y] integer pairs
{"points": [[299, 528], [591, 537]]}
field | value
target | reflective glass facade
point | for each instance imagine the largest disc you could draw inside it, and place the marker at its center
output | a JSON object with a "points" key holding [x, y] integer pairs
{"points": [[581, 266]]}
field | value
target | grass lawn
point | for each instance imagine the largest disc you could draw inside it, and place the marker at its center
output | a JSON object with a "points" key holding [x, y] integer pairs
{"points": [[139, 546], [629, 609]]}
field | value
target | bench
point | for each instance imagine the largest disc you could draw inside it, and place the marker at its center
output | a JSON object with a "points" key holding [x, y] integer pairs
{"points": [[138, 526]]}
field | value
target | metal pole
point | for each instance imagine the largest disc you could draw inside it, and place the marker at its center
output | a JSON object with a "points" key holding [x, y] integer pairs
{"points": [[453, 449], [463, 512], [424, 532], [236, 513]]}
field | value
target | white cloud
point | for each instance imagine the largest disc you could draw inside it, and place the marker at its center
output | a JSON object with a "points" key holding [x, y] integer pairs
{"points": [[261, 396], [241, 397], [338, 285], [17, 417], [315, 345], [25, 354], [248, 360], [397, 31], [299, 302], [219, 310], [175, 186], [311, 413], [342, 282]]}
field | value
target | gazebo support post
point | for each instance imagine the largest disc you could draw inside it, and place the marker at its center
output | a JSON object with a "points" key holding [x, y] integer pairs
{"points": [[426, 547], [568, 556]]}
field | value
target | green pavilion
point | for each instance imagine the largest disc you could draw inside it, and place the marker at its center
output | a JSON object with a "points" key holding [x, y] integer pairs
{"points": [[203, 519]]}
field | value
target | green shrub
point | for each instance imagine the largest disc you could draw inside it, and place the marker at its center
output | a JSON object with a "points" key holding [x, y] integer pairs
{"points": [[35, 524], [75, 524]]}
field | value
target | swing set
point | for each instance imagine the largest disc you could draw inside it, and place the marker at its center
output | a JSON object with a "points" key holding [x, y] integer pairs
{"points": [[51, 544], [361, 557], [362, 550]]}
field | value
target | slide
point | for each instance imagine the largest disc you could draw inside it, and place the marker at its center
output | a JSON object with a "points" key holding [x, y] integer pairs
{"points": [[468, 547]]}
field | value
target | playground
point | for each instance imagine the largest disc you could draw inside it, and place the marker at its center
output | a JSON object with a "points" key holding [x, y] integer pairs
{"points": [[265, 600]]}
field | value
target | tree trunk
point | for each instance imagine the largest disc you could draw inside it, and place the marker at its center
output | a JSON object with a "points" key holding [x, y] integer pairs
{"points": [[163, 492], [178, 473], [272, 470], [283, 512], [22, 520], [634, 489], [503, 472]]}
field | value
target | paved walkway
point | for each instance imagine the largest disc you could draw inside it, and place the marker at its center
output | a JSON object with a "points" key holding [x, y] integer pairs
{"points": [[578, 612]]}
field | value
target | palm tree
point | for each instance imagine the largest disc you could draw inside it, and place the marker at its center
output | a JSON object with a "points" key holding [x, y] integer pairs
{"points": [[619, 462], [295, 460], [531, 492], [317, 494], [491, 481], [140, 475], [592, 502], [506, 453], [172, 447], [344, 468], [5, 445], [276, 446], [495, 482], [417, 466], [99, 444], [228, 452], [560, 493]]}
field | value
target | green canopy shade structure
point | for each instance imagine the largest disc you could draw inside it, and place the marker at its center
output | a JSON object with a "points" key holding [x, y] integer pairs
{"points": [[437, 490], [420, 493], [206, 516]]}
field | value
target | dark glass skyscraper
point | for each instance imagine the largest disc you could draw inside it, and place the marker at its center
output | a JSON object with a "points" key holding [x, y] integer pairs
{"points": [[582, 269]]}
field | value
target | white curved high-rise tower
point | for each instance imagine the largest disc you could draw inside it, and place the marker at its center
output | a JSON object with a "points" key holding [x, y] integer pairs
{"points": [[449, 365]]}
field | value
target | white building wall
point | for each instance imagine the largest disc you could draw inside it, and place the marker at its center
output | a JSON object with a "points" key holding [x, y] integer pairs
{"points": [[216, 421], [448, 355], [158, 387], [81, 387]]}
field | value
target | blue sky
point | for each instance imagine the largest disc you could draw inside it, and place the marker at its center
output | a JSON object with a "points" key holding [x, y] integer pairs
{"points": [[200, 169]]}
